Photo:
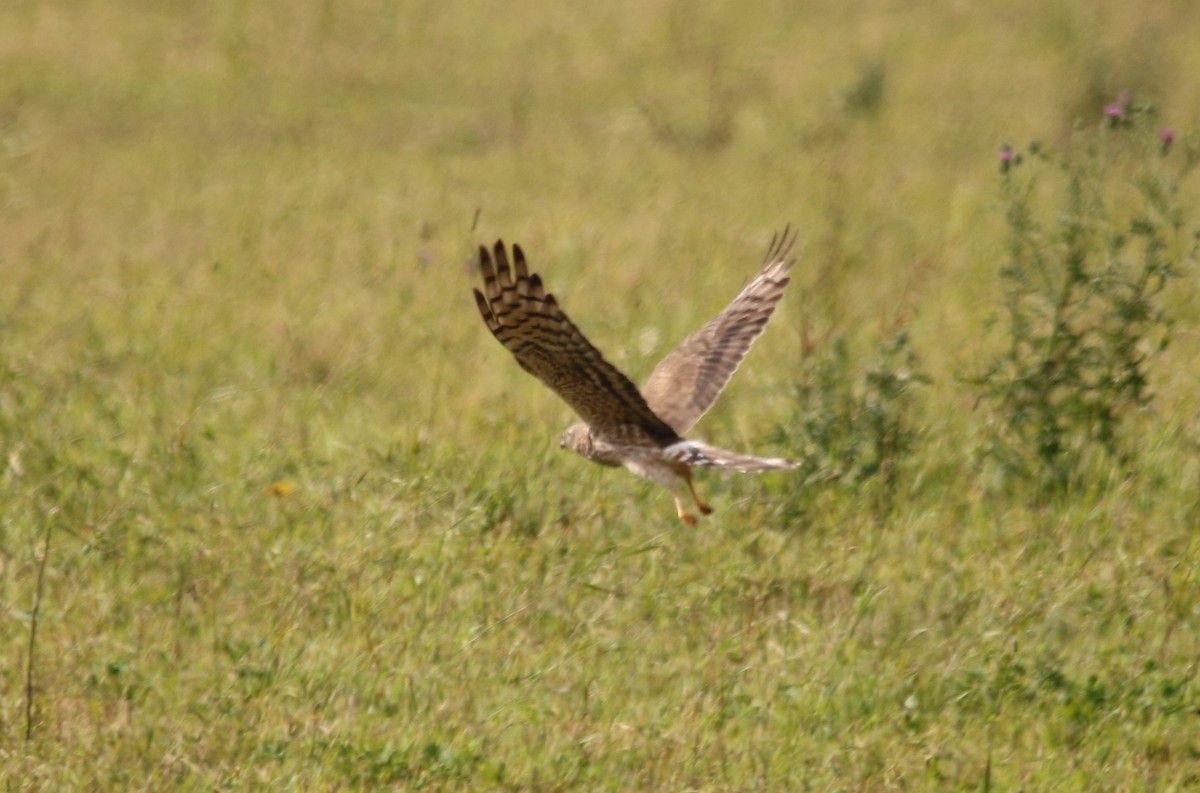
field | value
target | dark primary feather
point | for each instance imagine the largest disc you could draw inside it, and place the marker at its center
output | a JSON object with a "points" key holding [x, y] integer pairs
{"points": [[685, 384], [528, 321]]}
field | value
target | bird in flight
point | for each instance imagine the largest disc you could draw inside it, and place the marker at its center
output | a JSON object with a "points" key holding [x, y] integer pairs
{"points": [[622, 426]]}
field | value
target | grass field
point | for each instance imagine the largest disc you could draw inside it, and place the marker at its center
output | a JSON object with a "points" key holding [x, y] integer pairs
{"points": [[280, 514]]}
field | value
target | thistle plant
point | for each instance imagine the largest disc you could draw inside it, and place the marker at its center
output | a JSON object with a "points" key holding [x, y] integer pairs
{"points": [[1096, 233]]}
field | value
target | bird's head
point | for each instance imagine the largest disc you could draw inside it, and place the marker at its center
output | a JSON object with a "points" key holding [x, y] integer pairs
{"points": [[577, 438]]}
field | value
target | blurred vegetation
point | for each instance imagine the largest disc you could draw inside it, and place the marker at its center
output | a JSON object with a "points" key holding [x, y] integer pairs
{"points": [[288, 518]]}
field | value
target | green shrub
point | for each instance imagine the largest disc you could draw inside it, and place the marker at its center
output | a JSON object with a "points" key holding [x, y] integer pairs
{"points": [[856, 426]]}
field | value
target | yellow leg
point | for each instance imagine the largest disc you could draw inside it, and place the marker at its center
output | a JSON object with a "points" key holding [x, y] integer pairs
{"points": [[684, 515], [705, 509]]}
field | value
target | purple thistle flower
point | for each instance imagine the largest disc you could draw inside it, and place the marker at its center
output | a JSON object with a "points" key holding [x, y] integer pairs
{"points": [[1007, 158], [1167, 136], [1117, 111]]}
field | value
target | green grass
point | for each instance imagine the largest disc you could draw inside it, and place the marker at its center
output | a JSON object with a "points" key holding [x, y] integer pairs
{"points": [[308, 525]]}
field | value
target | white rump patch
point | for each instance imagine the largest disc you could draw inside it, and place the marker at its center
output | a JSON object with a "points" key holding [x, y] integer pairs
{"points": [[701, 454], [688, 452]]}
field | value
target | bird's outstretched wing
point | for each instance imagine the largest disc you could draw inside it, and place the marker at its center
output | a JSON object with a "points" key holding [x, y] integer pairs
{"points": [[528, 321], [685, 384]]}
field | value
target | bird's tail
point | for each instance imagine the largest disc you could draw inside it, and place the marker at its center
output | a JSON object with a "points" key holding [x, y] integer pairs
{"points": [[701, 454]]}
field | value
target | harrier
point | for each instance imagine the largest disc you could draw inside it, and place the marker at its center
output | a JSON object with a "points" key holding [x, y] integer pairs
{"points": [[622, 426]]}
